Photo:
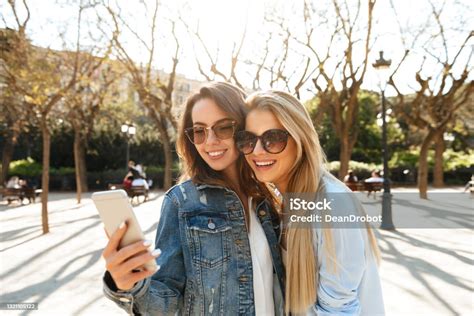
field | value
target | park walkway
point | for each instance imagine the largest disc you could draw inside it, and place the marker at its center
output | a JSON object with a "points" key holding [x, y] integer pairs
{"points": [[423, 271]]}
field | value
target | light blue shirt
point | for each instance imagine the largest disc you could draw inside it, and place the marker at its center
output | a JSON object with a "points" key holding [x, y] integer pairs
{"points": [[355, 288]]}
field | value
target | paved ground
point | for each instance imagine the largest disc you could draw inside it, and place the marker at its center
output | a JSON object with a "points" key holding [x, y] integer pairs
{"points": [[424, 271]]}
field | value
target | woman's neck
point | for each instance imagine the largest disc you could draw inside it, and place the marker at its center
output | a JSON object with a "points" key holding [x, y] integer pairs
{"points": [[231, 175], [282, 187]]}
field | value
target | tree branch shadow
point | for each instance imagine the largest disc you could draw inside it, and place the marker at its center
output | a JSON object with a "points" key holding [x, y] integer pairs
{"points": [[418, 268], [41, 290]]}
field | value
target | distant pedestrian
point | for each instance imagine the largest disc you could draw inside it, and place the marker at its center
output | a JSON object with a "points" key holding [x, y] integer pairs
{"points": [[14, 183], [350, 177], [127, 182], [374, 178], [470, 185], [133, 170]]}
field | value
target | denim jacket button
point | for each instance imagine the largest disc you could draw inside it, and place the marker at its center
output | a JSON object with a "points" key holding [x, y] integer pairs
{"points": [[124, 299], [211, 225], [261, 213]]}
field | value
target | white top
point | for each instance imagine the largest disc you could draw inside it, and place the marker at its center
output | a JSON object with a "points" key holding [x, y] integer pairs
{"points": [[373, 180], [140, 182], [262, 266]]}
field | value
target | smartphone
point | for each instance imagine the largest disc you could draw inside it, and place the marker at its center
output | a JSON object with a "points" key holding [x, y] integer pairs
{"points": [[114, 208]]}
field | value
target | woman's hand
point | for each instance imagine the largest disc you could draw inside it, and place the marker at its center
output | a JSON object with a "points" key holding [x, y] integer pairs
{"points": [[125, 265]]}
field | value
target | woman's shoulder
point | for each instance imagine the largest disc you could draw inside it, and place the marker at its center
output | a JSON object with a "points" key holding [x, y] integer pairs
{"points": [[344, 201], [179, 191], [330, 183], [189, 191], [179, 185]]}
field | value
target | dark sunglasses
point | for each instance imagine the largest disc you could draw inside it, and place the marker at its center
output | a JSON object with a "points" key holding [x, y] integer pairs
{"points": [[198, 134], [274, 141]]}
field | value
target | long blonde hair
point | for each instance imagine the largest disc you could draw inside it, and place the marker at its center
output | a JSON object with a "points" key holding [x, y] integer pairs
{"points": [[304, 177]]}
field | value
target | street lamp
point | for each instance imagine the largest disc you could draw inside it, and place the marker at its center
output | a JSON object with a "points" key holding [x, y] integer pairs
{"points": [[382, 66], [129, 130]]}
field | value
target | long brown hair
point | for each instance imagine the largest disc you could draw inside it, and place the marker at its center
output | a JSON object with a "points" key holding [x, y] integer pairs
{"points": [[231, 100]]}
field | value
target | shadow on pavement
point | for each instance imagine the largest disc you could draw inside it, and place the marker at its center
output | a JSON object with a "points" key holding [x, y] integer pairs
{"points": [[35, 257], [420, 268], [42, 290]]}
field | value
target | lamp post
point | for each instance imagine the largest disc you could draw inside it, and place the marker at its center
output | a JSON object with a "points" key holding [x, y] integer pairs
{"points": [[129, 130], [382, 66]]}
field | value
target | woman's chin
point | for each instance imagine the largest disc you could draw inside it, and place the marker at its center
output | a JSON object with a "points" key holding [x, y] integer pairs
{"points": [[263, 177], [219, 165]]}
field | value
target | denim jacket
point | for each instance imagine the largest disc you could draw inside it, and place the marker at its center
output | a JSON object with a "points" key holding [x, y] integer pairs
{"points": [[205, 265]]}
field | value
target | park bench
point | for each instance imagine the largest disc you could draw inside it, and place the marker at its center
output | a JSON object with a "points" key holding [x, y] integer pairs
{"points": [[365, 186], [372, 187], [134, 191], [12, 194], [355, 186]]}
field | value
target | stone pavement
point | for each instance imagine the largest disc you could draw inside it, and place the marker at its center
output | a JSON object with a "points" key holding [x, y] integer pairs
{"points": [[423, 271]]}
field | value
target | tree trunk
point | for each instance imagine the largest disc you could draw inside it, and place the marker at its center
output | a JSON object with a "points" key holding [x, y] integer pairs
{"points": [[82, 162], [423, 164], [161, 124], [80, 166], [344, 157], [168, 163], [45, 176], [440, 147], [423, 170], [7, 155]]}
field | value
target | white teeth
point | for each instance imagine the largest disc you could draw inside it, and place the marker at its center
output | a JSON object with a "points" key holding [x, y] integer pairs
{"points": [[265, 163], [215, 153]]}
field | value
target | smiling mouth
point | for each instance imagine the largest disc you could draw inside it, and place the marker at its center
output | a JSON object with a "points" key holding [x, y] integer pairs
{"points": [[216, 154], [264, 164]]}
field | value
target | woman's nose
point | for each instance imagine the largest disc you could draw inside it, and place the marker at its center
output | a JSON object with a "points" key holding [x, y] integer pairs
{"points": [[211, 137], [259, 150]]}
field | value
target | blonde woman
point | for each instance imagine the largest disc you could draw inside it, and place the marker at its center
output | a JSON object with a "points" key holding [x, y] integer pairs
{"points": [[328, 271]]}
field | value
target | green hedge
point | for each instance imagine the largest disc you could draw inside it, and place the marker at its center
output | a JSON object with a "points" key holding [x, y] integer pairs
{"points": [[25, 167], [30, 168], [458, 166], [64, 178], [361, 169], [452, 160]]}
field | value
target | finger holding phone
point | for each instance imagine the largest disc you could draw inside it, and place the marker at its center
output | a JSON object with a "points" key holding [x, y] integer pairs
{"points": [[126, 265], [127, 255]]}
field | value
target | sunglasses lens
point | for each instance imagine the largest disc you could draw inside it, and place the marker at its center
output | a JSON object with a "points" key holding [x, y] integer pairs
{"points": [[245, 142], [197, 135], [274, 141], [224, 131]]}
